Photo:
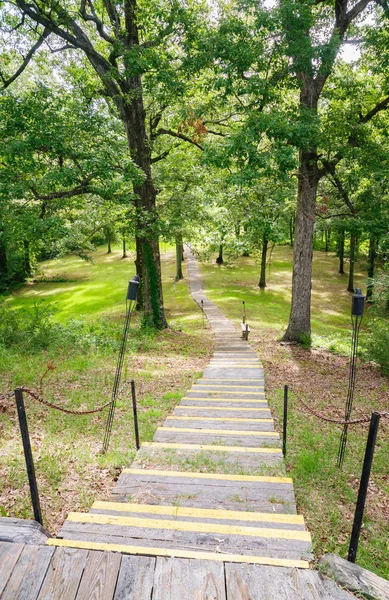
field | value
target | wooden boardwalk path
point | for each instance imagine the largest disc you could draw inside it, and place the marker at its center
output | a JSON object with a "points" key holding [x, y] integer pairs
{"points": [[206, 511]]}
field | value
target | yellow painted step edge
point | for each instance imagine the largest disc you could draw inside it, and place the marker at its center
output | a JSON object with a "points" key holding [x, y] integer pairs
{"points": [[241, 387], [177, 553], [216, 476], [211, 447], [204, 513], [191, 526], [229, 419], [247, 400], [220, 431], [262, 394], [222, 408]]}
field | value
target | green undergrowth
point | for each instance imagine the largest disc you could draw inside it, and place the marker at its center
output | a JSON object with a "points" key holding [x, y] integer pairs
{"points": [[326, 494], [62, 339]]}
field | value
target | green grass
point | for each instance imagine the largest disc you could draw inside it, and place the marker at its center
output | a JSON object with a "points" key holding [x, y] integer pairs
{"points": [[71, 470], [269, 309]]}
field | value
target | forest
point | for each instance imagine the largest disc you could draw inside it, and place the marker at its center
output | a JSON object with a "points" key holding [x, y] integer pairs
{"points": [[256, 131]]}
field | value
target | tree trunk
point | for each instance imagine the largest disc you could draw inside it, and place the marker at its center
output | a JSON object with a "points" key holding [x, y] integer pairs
{"points": [[3, 262], [26, 259], [291, 230], [341, 241], [300, 314], [124, 255], [370, 266], [219, 259], [262, 279], [179, 274], [109, 243], [327, 239], [353, 243], [148, 261]]}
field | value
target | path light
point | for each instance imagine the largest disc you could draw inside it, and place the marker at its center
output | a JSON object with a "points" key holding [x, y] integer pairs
{"points": [[132, 292], [357, 306], [133, 287]]}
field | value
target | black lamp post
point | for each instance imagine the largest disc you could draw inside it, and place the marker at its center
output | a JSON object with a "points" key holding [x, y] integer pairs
{"points": [[132, 292], [358, 303]]}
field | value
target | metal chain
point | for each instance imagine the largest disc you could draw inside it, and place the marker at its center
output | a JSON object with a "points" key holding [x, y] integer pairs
{"points": [[338, 421], [38, 398], [6, 396]]}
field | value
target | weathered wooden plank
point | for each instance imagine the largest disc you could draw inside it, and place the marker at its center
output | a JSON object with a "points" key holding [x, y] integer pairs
{"points": [[34, 561], [221, 412], [9, 554], [197, 519], [100, 576], [183, 579], [180, 553], [236, 422], [238, 459], [180, 512], [23, 531], [64, 574], [355, 578], [231, 498], [249, 582], [136, 578], [189, 540], [199, 524], [224, 439]]}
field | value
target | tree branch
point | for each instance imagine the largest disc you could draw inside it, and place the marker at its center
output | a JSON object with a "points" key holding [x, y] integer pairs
{"points": [[30, 54], [95, 19], [81, 188], [181, 136], [383, 105]]}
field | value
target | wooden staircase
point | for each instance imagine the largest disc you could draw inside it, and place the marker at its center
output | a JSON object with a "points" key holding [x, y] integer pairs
{"points": [[212, 484]]}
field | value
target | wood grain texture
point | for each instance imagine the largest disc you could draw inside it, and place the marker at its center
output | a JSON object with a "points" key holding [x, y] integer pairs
{"points": [[9, 554], [181, 579], [28, 574], [64, 574], [100, 576], [23, 531], [136, 578], [256, 582]]}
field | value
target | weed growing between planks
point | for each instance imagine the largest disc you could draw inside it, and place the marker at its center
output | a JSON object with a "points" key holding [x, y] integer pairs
{"points": [[71, 471]]}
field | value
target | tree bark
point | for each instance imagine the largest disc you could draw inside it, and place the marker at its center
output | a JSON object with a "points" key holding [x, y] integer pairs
{"points": [[3, 262], [300, 314], [291, 230], [353, 243], [179, 274], [26, 259], [109, 250], [327, 239], [373, 242], [262, 279], [219, 259], [124, 254], [341, 241]]}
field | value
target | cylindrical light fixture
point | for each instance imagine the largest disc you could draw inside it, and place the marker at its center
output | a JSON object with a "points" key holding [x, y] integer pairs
{"points": [[133, 287]]}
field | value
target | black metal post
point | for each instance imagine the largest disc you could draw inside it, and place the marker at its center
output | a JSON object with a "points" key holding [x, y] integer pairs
{"points": [[363, 486], [202, 310], [286, 390], [28, 455], [356, 319], [244, 312], [136, 428]]}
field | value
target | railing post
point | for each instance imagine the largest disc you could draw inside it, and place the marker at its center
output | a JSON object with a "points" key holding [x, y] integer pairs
{"points": [[244, 312], [202, 310], [134, 410], [286, 390], [28, 455], [363, 486]]}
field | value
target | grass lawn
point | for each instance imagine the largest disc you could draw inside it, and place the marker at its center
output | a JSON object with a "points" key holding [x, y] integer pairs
{"points": [[325, 495], [89, 300]]}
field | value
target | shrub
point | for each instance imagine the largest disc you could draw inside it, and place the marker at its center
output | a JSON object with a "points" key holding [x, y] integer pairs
{"points": [[377, 343]]}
